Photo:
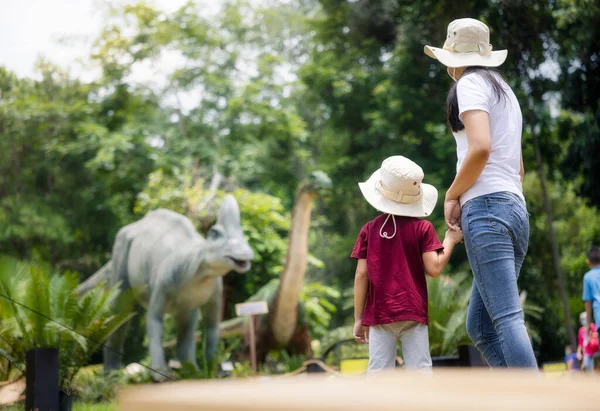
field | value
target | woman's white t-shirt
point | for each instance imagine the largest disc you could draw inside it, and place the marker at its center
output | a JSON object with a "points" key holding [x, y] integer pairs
{"points": [[501, 173]]}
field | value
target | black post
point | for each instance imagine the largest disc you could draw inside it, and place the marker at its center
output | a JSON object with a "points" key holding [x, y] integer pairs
{"points": [[41, 377], [470, 357]]}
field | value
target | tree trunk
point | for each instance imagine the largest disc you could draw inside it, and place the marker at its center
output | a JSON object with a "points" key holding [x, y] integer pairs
{"points": [[555, 251]]}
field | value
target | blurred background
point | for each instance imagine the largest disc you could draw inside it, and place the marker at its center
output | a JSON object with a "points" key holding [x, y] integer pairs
{"points": [[111, 109]]}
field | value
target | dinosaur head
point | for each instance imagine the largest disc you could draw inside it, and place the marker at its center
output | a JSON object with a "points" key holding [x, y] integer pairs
{"points": [[226, 244], [318, 183]]}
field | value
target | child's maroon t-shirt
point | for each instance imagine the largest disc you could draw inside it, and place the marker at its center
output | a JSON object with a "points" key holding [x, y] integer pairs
{"points": [[397, 284]]}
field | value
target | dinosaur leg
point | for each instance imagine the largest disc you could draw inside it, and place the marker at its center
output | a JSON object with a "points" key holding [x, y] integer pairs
{"points": [[117, 274], [211, 313], [113, 349], [154, 330], [186, 341]]}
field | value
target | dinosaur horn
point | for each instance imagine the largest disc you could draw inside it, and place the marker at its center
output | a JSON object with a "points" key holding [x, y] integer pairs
{"points": [[229, 214]]}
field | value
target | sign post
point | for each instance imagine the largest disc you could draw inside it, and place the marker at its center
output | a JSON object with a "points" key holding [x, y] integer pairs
{"points": [[252, 309]]}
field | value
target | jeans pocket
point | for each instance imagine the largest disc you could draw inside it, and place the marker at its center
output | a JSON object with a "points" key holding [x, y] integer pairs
{"points": [[520, 224], [499, 214]]}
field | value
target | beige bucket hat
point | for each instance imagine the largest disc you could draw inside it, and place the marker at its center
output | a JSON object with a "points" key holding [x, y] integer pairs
{"points": [[467, 44], [397, 188]]}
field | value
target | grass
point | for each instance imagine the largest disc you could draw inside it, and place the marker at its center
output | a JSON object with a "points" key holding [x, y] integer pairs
{"points": [[77, 406], [95, 407]]}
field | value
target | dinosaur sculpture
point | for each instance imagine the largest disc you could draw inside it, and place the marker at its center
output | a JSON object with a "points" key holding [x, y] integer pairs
{"points": [[283, 327], [170, 268]]}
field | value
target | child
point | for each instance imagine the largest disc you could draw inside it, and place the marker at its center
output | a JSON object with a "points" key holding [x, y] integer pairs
{"points": [[393, 251], [571, 359], [586, 345]]}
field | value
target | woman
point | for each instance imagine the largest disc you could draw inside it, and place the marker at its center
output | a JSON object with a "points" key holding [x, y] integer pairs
{"points": [[486, 199]]}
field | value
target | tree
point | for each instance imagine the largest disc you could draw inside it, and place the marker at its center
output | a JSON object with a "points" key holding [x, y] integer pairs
{"points": [[70, 171]]}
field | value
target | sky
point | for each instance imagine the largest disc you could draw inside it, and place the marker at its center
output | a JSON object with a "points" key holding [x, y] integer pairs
{"points": [[33, 28]]}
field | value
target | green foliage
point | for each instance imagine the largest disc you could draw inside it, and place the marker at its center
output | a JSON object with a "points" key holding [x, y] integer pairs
{"points": [[448, 301], [77, 406], [39, 309], [70, 172], [242, 369], [577, 226], [348, 349], [209, 369], [94, 387], [319, 303], [280, 362]]}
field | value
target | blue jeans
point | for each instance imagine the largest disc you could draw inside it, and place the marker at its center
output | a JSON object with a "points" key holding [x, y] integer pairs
{"points": [[496, 230]]}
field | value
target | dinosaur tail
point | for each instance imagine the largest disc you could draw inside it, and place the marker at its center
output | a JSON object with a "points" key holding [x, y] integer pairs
{"points": [[99, 276], [234, 327]]}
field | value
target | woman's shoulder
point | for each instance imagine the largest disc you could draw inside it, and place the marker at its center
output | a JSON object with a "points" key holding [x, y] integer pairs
{"points": [[481, 79], [473, 79]]}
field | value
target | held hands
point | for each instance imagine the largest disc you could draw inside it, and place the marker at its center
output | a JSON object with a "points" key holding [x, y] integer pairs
{"points": [[455, 236], [361, 332], [452, 214]]}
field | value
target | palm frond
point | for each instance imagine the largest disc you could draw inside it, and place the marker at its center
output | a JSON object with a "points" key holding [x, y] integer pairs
{"points": [[448, 302], [39, 309], [38, 300]]}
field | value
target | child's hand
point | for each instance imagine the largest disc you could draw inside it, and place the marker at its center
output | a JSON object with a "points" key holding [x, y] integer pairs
{"points": [[456, 236], [361, 333]]}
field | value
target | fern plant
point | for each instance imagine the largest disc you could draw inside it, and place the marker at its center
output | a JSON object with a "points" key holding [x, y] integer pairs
{"points": [[448, 305], [39, 309], [448, 302]]}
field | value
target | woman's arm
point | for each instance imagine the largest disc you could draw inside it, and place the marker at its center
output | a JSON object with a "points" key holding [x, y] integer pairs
{"points": [[522, 170], [477, 127]]}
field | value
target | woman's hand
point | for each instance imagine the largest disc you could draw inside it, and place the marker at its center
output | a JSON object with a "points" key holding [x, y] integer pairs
{"points": [[452, 213]]}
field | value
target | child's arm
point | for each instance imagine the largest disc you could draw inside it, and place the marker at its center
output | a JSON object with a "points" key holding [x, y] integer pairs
{"points": [[361, 286], [435, 261]]}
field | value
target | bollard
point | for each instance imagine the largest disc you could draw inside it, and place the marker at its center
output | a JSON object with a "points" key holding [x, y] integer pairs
{"points": [[41, 378]]}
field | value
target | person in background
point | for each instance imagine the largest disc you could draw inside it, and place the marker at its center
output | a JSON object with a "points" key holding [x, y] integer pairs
{"points": [[591, 286], [586, 348], [571, 359]]}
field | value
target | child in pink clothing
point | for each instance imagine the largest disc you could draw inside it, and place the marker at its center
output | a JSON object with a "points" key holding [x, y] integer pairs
{"points": [[587, 343]]}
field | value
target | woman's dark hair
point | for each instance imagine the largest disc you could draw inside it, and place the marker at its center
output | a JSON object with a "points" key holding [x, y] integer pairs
{"points": [[489, 75]]}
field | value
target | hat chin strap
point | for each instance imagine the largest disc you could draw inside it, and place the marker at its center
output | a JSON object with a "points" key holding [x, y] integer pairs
{"points": [[384, 234], [398, 196], [453, 73]]}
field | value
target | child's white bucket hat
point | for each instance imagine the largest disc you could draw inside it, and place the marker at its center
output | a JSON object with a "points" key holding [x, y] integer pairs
{"points": [[467, 44], [397, 188]]}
